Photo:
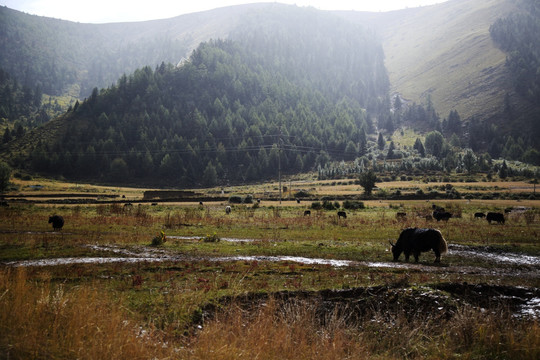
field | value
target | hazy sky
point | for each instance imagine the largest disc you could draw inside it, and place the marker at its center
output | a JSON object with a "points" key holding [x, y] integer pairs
{"points": [[101, 11]]}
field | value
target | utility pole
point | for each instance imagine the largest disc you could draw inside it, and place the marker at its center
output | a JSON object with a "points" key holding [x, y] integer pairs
{"points": [[279, 164]]}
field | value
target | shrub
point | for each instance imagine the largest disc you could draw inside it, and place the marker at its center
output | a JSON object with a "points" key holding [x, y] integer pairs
{"points": [[235, 199], [159, 239], [301, 194], [211, 238], [353, 205], [328, 205], [316, 205]]}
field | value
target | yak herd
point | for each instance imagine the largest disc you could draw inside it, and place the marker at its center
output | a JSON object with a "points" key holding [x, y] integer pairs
{"points": [[440, 213], [411, 241]]}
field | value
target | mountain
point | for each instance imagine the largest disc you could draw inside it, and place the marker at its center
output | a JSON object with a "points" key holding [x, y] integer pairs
{"points": [[446, 53], [65, 56], [175, 103], [279, 87]]}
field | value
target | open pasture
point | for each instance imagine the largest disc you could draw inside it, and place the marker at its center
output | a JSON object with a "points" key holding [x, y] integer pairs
{"points": [[266, 281]]}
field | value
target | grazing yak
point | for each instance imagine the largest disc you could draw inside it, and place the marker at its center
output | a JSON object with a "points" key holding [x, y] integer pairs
{"points": [[57, 222], [307, 212], [228, 210], [493, 216], [441, 215], [341, 214], [479, 215], [415, 241]]}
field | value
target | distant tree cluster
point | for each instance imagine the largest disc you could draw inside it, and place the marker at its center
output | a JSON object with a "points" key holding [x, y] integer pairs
{"points": [[519, 35], [17, 100]]}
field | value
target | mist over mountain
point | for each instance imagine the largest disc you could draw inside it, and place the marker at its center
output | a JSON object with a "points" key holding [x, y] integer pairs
{"points": [[449, 54], [228, 110], [219, 96]]}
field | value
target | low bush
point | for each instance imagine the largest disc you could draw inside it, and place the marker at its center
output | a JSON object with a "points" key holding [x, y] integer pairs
{"points": [[235, 199], [159, 240], [353, 205]]}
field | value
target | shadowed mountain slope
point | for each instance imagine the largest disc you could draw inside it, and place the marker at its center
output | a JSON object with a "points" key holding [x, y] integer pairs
{"points": [[446, 51]]}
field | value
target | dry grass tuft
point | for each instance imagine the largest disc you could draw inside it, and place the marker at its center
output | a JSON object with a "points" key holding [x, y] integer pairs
{"points": [[39, 320]]}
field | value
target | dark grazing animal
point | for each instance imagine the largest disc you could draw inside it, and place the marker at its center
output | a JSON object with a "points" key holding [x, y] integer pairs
{"points": [[494, 216], [57, 222], [441, 215], [307, 212], [479, 215], [341, 214], [228, 210], [415, 241]]}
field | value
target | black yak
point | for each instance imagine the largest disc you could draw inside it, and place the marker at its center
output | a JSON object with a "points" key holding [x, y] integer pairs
{"points": [[341, 214], [307, 212], [493, 216], [415, 241], [57, 222], [228, 210], [441, 215], [479, 215]]}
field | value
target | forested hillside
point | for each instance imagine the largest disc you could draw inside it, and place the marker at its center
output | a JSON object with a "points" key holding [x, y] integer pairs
{"points": [[453, 56], [165, 105], [518, 35], [228, 111], [60, 61]]}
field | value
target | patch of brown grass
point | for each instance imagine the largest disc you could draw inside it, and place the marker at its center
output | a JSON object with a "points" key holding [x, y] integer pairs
{"points": [[291, 332], [298, 331], [42, 321]]}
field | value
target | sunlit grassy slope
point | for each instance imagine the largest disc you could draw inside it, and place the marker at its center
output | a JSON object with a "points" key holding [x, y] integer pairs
{"points": [[445, 50]]}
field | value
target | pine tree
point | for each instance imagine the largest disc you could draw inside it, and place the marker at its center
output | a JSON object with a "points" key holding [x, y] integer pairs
{"points": [[419, 147], [503, 171], [367, 180], [5, 174], [209, 177], [391, 149], [380, 142]]}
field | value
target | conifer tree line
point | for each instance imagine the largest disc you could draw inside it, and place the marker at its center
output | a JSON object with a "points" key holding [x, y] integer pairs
{"points": [[518, 35]]}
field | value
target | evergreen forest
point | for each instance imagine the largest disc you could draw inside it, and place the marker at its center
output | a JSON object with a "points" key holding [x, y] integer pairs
{"points": [[236, 110]]}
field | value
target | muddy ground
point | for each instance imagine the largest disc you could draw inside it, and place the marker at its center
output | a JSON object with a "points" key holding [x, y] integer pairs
{"points": [[384, 303], [517, 265], [439, 299]]}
